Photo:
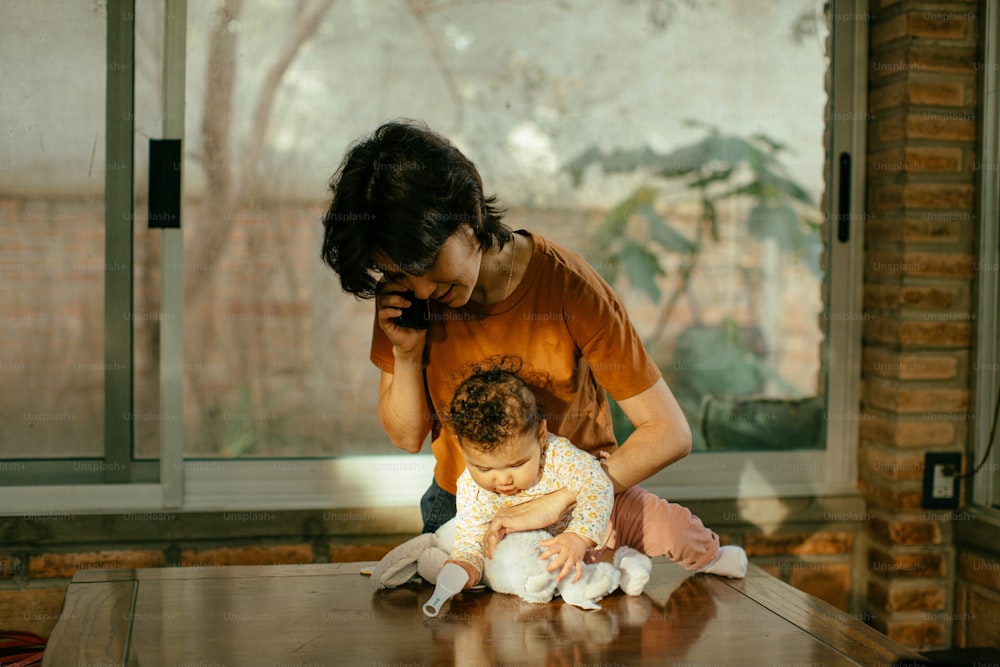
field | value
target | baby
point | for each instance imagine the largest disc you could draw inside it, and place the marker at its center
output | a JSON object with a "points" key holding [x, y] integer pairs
{"points": [[511, 458]]}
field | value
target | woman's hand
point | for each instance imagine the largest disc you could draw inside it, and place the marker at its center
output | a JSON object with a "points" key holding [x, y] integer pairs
{"points": [[406, 341], [569, 550], [532, 515]]}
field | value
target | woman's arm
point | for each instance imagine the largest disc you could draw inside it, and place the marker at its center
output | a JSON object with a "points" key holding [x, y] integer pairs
{"points": [[600, 328], [661, 437], [402, 404]]}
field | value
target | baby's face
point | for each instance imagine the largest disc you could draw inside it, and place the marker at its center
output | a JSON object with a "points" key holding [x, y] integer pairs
{"points": [[510, 468]]}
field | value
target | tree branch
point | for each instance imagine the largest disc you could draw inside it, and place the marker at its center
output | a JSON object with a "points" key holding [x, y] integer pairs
{"points": [[305, 26], [227, 192], [216, 120], [432, 45], [217, 116]]}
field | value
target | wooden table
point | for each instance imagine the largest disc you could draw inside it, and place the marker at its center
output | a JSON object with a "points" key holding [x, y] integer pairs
{"points": [[329, 615]]}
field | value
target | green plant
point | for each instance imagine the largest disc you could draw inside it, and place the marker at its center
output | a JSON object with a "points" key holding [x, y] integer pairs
{"points": [[716, 167], [718, 360]]}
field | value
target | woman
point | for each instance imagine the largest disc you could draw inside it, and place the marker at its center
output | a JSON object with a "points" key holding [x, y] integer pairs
{"points": [[409, 214]]}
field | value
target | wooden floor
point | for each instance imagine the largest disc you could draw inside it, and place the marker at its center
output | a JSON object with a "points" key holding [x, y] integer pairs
{"points": [[328, 615]]}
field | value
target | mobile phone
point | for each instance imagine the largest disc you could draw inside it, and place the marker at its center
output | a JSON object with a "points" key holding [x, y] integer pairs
{"points": [[417, 315]]}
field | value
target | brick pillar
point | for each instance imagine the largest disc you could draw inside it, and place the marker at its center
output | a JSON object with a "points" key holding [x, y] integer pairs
{"points": [[919, 314]]}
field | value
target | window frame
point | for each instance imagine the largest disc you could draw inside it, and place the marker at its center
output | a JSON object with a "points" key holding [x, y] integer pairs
{"points": [[986, 484], [399, 480]]}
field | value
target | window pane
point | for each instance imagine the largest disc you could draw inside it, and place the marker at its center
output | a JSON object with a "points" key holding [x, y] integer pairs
{"points": [[52, 268], [717, 264]]}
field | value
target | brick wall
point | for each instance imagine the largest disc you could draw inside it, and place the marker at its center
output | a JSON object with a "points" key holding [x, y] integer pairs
{"points": [[918, 286]]}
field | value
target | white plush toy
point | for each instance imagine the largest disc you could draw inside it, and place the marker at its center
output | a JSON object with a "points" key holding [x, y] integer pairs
{"points": [[516, 568]]}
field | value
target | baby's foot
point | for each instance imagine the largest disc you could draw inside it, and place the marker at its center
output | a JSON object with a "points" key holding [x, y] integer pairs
{"points": [[730, 562], [635, 568]]}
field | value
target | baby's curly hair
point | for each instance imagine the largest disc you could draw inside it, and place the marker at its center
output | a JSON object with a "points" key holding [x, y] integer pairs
{"points": [[493, 406]]}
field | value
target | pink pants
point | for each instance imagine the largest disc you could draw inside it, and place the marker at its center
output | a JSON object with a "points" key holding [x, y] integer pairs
{"points": [[650, 524]]}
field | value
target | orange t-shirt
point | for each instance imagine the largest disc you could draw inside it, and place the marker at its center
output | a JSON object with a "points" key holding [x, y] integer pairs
{"points": [[566, 323]]}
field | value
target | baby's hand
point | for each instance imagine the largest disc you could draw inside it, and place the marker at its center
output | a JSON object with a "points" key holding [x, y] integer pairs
{"points": [[569, 550]]}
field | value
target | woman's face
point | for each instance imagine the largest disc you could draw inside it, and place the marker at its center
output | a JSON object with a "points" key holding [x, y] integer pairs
{"points": [[453, 276]]}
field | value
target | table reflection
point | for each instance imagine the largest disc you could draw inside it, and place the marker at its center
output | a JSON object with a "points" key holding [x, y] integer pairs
{"points": [[484, 628]]}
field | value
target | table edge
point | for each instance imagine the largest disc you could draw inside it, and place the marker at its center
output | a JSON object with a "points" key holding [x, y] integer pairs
{"points": [[839, 630]]}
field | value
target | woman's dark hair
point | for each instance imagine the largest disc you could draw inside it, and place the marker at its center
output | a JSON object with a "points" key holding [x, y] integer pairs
{"points": [[493, 406], [398, 195]]}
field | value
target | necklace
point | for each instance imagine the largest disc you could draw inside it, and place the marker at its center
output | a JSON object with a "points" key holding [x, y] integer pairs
{"points": [[513, 259]]}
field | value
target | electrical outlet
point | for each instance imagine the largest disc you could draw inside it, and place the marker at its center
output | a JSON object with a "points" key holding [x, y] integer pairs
{"points": [[941, 471]]}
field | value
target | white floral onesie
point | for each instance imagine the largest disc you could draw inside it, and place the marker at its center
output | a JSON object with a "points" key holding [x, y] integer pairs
{"points": [[563, 466]]}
